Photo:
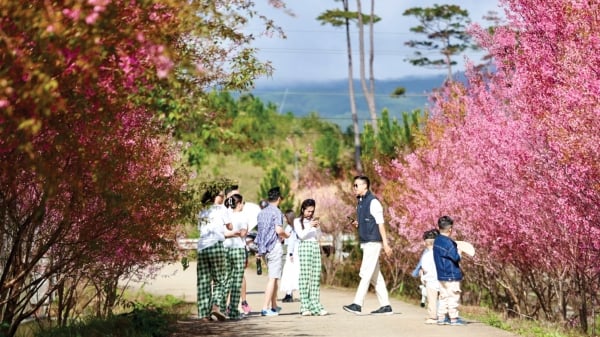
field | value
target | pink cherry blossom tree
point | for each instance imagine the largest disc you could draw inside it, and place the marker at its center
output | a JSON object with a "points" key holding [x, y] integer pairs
{"points": [[513, 157], [91, 179]]}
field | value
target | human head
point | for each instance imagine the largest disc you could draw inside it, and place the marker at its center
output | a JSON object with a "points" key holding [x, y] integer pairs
{"points": [[429, 236], [212, 196], [274, 194], [361, 185], [307, 208], [263, 203], [445, 224], [231, 190], [234, 201], [289, 217]]}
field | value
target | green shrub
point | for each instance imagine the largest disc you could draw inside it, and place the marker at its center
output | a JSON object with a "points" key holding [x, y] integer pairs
{"points": [[137, 323]]}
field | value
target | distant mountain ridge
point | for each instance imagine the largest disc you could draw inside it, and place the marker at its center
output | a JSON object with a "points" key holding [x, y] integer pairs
{"points": [[329, 99]]}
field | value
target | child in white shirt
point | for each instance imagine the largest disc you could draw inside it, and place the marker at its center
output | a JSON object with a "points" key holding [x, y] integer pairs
{"points": [[429, 276]]}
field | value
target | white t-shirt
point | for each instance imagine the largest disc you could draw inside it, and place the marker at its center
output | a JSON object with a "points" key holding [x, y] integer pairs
{"points": [[376, 210], [251, 211], [429, 277], [239, 221], [211, 225]]}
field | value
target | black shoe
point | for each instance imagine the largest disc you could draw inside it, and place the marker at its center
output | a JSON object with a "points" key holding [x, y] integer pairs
{"points": [[288, 298], [385, 310], [353, 308]]}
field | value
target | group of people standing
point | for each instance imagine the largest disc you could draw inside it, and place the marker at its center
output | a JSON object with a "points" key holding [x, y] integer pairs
{"points": [[304, 241], [222, 257], [441, 274], [222, 254]]}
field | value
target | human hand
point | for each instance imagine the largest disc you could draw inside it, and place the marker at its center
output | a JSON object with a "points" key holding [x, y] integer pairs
{"points": [[387, 249]]}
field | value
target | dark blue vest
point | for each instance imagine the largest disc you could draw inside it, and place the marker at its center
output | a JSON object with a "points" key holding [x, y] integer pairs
{"points": [[368, 230]]}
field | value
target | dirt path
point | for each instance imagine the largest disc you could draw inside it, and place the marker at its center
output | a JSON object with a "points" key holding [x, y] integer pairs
{"points": [[408, 319]]}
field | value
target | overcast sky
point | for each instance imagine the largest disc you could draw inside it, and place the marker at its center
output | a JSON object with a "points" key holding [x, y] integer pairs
{"points": [[316, 52]]}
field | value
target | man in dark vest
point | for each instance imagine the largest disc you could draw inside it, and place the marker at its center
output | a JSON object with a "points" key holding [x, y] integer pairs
{"points": [[373, 237]]}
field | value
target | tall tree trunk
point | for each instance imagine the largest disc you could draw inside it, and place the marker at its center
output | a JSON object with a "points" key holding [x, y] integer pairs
{"points": [[361, 45], [357, 147], [372, 106], [448, 57]]}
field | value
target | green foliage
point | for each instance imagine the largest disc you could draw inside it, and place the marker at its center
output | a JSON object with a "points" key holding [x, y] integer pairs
{"points": [[244, 138], [258, 139], [141, 322], [328, 148], [493, 319], [337, 17], [149, 322], [348, 274], [399, 91], [274, 178], [198, 195], [143, 300], [445, 29], [527, 328], [393, 136], [245, 126]]}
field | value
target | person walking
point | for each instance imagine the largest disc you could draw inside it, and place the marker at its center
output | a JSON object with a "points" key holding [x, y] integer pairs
{"points": [[211, 267], [429, 277], [373, 237], [270, 232], [447, 257], [235, 252], [308, 229], [250, 213], [291, 267]]}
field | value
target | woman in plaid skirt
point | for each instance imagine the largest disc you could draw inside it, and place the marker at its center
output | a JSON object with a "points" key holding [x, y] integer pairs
{"points": [[308, 231], [211, 270], [235, 252]]}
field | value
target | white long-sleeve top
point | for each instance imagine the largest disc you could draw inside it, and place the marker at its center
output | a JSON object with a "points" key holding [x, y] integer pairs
{"points": [[308, 233]]}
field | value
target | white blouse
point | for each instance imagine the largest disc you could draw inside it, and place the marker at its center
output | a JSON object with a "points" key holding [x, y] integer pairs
{"points": [[309, 233]]}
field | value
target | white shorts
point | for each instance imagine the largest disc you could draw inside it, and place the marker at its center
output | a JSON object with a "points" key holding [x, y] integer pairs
{"points": [[274, 260]]}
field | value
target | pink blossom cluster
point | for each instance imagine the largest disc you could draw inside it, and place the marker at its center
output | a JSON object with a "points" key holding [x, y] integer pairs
{"points": [[513, 155]]}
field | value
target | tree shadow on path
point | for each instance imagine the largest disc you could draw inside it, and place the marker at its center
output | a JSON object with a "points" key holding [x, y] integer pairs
{"points": [[252, 327]]}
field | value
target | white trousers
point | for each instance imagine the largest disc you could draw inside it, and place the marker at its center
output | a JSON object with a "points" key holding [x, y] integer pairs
{"points": [[370, 274]]}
